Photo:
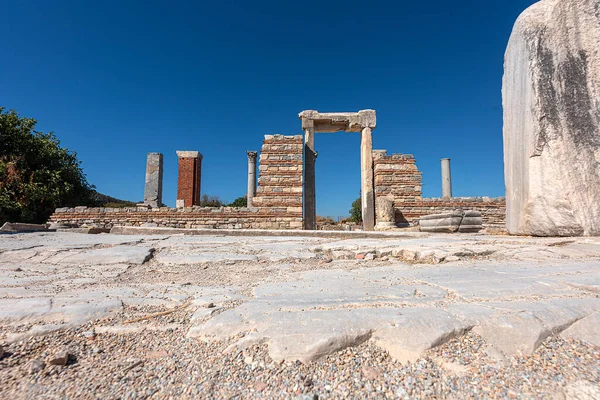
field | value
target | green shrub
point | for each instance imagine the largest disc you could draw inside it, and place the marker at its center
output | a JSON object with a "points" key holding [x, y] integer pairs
{"points": [[356, 211], [239, 202]]}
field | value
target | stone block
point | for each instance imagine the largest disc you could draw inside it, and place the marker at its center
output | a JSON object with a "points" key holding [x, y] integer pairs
{"points": [[20, 227], [456, 221], [550, 94]]}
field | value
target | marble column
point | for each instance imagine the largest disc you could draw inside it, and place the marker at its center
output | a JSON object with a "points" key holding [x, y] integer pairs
{"points": [[366, 173], [251, 176], [446, 179]]}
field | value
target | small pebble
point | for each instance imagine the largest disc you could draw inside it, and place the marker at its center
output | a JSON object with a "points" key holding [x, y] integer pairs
{"points": [[36, 366], [61, 357], [260, 386]]}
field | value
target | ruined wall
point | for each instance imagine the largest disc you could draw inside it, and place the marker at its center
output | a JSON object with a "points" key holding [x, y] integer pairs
{"points": [[397, 176], [279, 189], [493, 210], [277, 205], [186, 217]]}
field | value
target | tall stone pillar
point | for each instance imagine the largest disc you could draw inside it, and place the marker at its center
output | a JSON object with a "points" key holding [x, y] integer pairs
{"points": [[310, 192], [366, 173], [188, 181], [251, 176], [446, 179], [154, 180]]}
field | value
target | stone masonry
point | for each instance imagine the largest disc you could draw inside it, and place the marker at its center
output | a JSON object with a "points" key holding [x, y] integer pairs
{"points": [[187, 217], [280, 180], [398, 177], [154, 178], [284, 198], [277, 204], [188, 179], [364, 122]]}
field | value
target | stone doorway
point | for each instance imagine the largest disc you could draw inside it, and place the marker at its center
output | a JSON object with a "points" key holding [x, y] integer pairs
{"points": [[314, 122]]}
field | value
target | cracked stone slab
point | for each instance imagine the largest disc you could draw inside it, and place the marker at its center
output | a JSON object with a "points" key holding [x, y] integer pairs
{"points": [[519, 333], [586, 329], [20, 309], [406, 309], [325, 311], [415, 331], [110, 255], [207, 256]]}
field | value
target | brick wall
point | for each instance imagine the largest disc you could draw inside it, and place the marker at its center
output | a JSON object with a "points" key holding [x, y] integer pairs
{"points": [[187, 217], [188, 180], [493, 210], [397, 176], [277, 205]]}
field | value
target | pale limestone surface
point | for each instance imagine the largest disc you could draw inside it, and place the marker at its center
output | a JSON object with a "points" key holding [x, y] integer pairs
{"points": [[551, 101], [302, 296]]}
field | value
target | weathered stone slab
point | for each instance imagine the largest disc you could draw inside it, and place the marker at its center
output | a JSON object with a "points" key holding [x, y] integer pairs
{"points": [[413, 332], [550, 92], [19, 309], [110, 255], [586, 329], [205, 256], [512, 334], [21, 227]]}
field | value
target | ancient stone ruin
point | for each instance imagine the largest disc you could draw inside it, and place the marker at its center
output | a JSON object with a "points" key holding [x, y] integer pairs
{"points": [[364, 122], [189, 178], [551, 100], [284, 195], [154, 179]]}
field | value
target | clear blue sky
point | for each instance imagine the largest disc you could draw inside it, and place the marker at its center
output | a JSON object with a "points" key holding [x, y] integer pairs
{"points": [[118, 79]]}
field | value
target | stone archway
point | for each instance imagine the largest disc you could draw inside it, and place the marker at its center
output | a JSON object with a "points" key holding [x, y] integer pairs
{"points": [[314, 122]]}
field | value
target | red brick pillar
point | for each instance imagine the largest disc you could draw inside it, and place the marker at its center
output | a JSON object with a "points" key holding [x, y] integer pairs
{"points": [[188, 181]]}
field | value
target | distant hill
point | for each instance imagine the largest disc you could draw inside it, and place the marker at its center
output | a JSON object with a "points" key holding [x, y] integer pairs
{"points": [[103, 200]]}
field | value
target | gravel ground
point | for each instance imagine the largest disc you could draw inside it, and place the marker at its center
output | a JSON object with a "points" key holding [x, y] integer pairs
{"points": [[160, 362]]}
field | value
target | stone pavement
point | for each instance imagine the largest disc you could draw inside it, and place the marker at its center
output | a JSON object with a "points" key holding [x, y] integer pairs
{"points": [[307, 297]]}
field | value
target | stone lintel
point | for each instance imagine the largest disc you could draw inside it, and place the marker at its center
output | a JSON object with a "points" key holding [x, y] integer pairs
{"points": [[188, 154], [335, 122]]}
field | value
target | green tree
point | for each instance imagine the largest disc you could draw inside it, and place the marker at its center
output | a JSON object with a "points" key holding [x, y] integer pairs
{"points": [[36, 174], [210, 201], [239, 202], [356, 211]]}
